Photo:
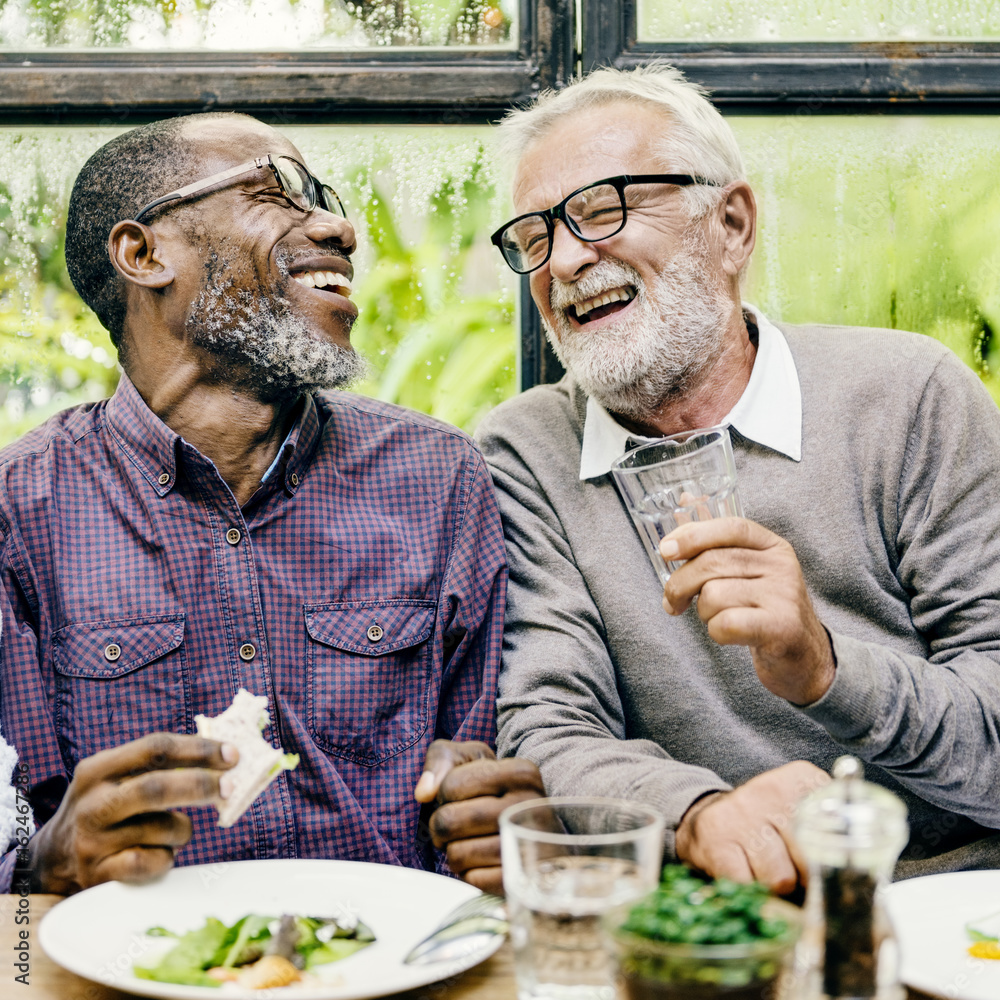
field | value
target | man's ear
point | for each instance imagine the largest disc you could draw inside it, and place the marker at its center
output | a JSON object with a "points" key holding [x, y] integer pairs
{"points": [[133, 252], [738, 215]]}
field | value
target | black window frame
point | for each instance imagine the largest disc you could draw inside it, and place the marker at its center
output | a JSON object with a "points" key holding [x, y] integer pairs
{"points": [[378, 85], [796, 77]]}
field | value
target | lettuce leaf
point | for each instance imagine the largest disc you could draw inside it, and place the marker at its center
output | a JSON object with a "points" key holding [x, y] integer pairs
{"points": [[216, 945], [193, 953]]}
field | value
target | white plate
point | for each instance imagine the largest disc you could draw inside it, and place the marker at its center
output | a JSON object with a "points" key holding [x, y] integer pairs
{"points": [[100, 933], [929, 915]]}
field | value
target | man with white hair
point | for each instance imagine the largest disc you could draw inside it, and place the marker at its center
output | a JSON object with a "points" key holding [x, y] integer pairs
{"points": [[855, 608]]}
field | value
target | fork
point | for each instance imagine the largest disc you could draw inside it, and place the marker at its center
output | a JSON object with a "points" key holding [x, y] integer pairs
{"points": [[466, 930]]}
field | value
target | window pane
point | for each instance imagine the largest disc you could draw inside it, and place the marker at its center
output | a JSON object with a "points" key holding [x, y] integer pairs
{"points": [[888, 221], [437, 304], [820, 21], [268, 25]]}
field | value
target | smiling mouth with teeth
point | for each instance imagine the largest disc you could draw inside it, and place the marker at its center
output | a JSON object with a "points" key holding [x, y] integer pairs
{"points": [[329, 280], [602, 305]]}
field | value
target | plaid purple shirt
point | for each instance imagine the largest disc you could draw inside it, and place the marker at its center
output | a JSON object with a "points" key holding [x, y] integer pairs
{"points": [[117, 533]]}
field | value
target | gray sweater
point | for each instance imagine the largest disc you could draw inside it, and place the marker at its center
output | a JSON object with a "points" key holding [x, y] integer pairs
{"points": [[894, 513]]}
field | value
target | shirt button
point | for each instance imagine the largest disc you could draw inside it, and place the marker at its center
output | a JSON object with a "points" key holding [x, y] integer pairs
{"points": [[295, 479], [247, 651], [164, 478], [233, 536], [112, 651], [374, 633]]}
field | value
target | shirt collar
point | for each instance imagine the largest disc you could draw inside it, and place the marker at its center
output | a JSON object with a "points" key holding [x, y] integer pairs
{"points": [[144, 437], [769, 411], [156, 450], [297, 449]]}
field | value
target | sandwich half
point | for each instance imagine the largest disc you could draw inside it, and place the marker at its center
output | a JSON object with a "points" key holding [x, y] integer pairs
{"points": [[260, 763]]}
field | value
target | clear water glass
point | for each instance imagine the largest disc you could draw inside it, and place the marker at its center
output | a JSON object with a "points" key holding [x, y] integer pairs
{"points": [[682, 478], [566, 862]]}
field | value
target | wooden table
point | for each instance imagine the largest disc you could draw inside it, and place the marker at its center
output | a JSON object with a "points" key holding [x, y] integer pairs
{"points": [[492, 980]]}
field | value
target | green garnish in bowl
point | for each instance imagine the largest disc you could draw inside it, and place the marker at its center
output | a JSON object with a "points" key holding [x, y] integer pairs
{"points": [[692, 939]]}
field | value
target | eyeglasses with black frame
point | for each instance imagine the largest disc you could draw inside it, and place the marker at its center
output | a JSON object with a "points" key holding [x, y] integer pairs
{"points": [[301, 188], [591, 213]]}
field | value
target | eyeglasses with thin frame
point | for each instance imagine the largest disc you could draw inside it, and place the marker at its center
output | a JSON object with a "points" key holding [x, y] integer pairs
{"points": [[591, 213], [301, 188]]}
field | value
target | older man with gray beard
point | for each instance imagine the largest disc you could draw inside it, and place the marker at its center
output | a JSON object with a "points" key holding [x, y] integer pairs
{"points": [[221, 523], [856, 609]]}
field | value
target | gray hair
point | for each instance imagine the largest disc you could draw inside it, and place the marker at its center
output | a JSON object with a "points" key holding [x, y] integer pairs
{"points": [[699, 140], [124, 174]]}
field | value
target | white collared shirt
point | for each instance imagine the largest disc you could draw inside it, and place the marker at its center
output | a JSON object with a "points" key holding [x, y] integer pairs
{"points": [[769, 411]]}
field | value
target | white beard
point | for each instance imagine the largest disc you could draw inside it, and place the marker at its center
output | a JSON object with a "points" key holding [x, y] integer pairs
{"points": [[670, 337]]}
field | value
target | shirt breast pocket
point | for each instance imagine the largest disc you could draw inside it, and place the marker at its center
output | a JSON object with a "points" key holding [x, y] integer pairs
{"points": [[369, 667], [118, 681]]}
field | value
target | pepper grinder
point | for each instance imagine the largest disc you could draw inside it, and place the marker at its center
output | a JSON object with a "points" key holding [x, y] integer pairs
{"points": [[850, 832]]}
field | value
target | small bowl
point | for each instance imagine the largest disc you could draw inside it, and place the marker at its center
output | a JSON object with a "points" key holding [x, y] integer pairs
{"points": [[660, 970]]}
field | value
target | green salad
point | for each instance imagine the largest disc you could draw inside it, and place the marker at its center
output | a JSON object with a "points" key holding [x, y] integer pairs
{"points": [[686, 909], [258, 952]]}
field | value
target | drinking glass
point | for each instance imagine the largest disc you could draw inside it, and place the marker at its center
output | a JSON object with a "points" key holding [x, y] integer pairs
{"points": [[685, 477], [566, 862]]}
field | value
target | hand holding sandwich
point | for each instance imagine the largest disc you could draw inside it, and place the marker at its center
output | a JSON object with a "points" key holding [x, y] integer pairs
{"points": [[117, 819], [472, 788]]}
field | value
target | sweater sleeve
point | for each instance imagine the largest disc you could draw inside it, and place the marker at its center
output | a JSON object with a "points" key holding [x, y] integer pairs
{"points": [[558, 699], [934, 722]]}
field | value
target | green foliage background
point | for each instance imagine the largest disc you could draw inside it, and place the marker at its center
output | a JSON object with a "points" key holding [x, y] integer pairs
{"points": [[434, 345], [873, 221], [881, 221]]}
